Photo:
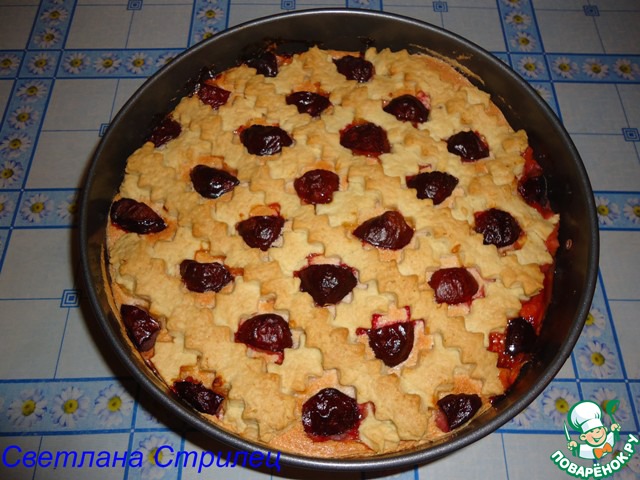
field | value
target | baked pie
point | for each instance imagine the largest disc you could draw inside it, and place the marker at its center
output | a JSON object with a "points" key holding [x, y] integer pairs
{"points": [[334, 253]]}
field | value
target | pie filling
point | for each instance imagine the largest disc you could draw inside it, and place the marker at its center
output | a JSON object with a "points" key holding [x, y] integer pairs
{"points": [[334, 254]]}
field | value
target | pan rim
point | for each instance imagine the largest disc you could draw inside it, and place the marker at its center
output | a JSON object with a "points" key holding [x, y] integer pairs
{"points": [[390, 461]]}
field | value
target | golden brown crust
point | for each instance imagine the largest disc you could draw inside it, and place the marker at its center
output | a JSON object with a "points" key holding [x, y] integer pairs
{"points": [[264, 398]]}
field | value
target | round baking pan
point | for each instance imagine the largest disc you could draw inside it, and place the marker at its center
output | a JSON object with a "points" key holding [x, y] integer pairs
{"points": [[341, 29]]}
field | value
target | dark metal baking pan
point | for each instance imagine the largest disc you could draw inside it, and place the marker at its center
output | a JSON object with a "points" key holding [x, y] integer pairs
{"points": [[570, 193]]}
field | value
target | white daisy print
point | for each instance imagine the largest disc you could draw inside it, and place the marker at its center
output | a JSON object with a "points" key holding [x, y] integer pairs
{"points": [[512, 3], [36, 208], [594, 68], [630, 471], [13, 146], [406, 475], [597, 359], [528, 416], [10, 173], [210, 14], [530, 67], [608, 212], [603, 395], [149, 449], [524, 42], [6, 206], [113, 406], [518, 19], [634, 465], [74, 63], [595, 323], [67, 208], [28, 409], [165, 59], [48, 38], [107, 63], [148, 416], [40, 63], [70, 406], [137, 62], [543, 91], [32, 91], [9, 62], [556, 402], [564, 67], [54, 15], [207, 32], [632, 210], [23, 117], [625, 69]]}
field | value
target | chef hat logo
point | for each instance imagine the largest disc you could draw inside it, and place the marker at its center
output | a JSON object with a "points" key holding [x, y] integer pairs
{"points": [[585, 416]]}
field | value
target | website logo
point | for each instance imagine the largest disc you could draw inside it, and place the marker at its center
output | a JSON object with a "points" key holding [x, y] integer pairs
{"points": [[596, 442]]}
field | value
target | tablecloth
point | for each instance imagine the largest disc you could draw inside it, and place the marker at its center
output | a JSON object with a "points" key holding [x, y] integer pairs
{"points": [[66, 67]]}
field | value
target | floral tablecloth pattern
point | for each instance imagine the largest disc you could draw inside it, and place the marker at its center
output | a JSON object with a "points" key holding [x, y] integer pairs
{"points": [[66, 67]]}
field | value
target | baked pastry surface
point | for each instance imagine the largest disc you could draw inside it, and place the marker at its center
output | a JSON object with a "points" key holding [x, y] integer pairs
{"points": [[262, 392]]}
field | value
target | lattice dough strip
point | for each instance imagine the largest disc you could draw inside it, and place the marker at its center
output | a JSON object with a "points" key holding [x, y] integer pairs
{"points": [[435, 367], [472, 350], [298, 365], [170, 357], [384, 391], [241, 302], [366, 301], [248, 380]]}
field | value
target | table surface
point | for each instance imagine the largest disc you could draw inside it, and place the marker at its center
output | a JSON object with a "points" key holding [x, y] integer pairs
{"points": [[66, 66]]}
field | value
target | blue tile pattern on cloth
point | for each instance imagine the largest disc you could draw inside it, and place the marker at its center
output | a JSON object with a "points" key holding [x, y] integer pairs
{"points": [[519, 26], [208, 19], [66, 66], [114, 63]]}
